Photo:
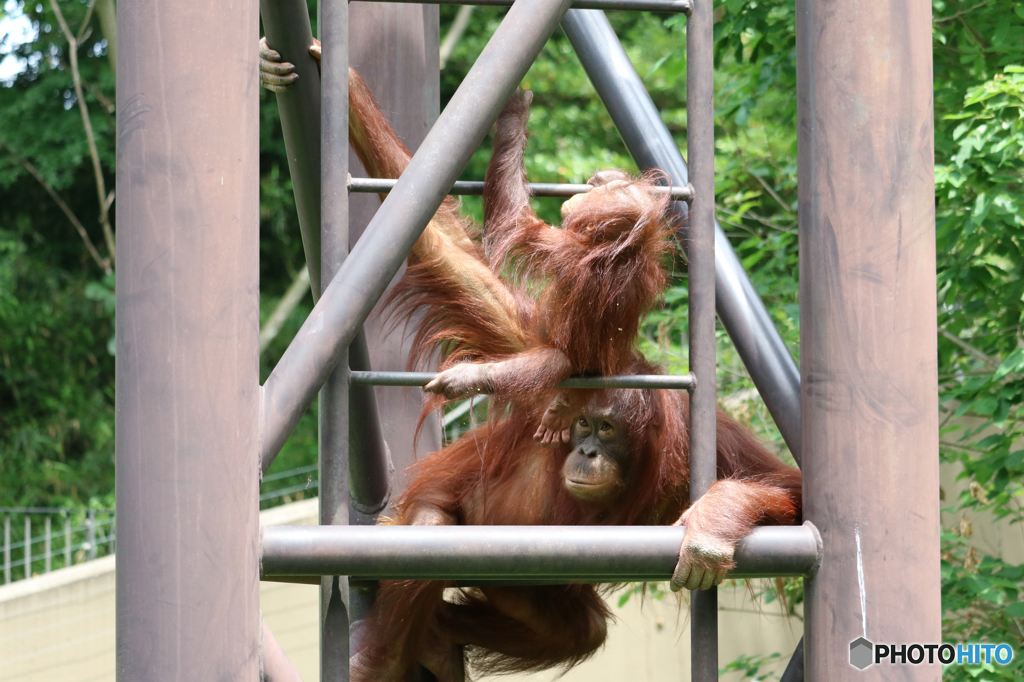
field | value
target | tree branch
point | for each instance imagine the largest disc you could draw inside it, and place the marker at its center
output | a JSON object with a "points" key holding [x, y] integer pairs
{"points": [[296, 292], [451, 38], [108, 24], [954, 17], [771, 191], [90, 247], [976, 352], [101, 189], [85, 22]]}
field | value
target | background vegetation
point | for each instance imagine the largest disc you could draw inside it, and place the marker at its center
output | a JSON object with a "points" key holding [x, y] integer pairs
{"points": [[57, 254]]}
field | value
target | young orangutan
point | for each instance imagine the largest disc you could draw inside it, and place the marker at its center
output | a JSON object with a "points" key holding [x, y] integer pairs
{"points": [[625, 456], [603, 272]]}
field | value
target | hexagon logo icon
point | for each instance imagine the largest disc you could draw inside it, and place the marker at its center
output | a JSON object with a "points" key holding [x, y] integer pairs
{"points": [[861, 653]]}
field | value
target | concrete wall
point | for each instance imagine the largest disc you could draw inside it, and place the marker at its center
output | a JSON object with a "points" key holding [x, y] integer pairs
{"points": [[60, 627]]}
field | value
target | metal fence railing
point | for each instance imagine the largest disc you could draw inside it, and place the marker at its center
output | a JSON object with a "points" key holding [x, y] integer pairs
{"points": [[38, 540]]}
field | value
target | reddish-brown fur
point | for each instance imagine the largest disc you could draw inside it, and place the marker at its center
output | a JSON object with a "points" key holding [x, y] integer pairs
{"points": [[602, 272]]}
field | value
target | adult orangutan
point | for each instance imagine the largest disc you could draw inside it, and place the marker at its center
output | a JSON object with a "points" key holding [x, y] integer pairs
{"points": [[614, 457]]}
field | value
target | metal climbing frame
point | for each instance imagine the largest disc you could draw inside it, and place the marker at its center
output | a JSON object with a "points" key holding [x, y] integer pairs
{"points": [[191, 416]]}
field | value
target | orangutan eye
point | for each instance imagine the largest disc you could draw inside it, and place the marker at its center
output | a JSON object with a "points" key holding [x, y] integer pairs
{"points": [[582, 423], [607, 428]]}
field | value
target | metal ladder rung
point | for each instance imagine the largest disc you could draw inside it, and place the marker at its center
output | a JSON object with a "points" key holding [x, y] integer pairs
{"points": [[680, 382], [664, 6], [476, 188]]}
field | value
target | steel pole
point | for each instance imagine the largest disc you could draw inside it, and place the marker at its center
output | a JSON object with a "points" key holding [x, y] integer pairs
{"points": [[700, 243], [868, 330], [667, 381], [476, 188], [519, 553], [289, 32], [743, 315], [666, 6], [187, 341], [400, 220], [334, 396]]}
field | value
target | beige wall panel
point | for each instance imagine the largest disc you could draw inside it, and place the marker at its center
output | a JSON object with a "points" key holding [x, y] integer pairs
{"points": [[60, 627]]}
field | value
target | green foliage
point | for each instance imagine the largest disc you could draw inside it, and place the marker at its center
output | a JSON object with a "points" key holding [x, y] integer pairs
{"points": [[56, 380], [981, 602], [751, 667], [979, 177]]}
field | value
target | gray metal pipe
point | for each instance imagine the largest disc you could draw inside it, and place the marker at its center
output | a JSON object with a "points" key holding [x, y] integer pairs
{"points": [[667, 6], [369, 463], [289, 32], [794, 671], [700, 247], [334, 403], [187, 341], [519, 553], [743, 315], [868, 330], [476, 188], [684, 382], [379, 254]]}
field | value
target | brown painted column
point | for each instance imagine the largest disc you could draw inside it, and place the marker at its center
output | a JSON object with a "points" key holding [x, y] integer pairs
{"points": [[187, 341], [868, 331]]}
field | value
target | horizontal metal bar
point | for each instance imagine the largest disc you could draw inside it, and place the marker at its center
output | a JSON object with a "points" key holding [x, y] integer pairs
{"points": [[476, 188], [291, 472], [519, 553], [681, 382], [668, 6]]}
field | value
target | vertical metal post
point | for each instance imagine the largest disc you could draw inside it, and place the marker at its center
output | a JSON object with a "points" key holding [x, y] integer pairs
{"points": [[67, 539], [289, 32], [47, 544], [701, 248], [7, 549], [394, 47], [187, 341], [334, 396], [868, 330], [28, 546], [90, 534]]}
